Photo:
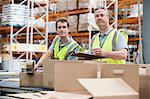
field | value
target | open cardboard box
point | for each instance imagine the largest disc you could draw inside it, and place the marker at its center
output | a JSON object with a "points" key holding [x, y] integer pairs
{"points": [[63, 75], [66, 73]]}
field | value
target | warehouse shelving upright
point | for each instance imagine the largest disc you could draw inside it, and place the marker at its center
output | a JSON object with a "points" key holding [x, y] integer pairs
{"points": [[28, 47], [133, 21]]}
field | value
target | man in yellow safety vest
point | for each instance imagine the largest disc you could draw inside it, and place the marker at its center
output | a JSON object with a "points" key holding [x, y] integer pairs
{"points": [[63, 44], [109, 42]]}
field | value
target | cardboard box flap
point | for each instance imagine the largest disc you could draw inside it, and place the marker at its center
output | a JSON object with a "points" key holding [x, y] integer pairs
{"points": [[107, 87]]}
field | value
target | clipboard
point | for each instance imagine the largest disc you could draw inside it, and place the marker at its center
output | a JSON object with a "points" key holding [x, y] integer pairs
{"points": [[87, 56]]}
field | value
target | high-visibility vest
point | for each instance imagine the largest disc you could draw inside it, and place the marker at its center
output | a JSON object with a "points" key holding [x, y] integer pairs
{"points": [[62, 54], [109, 45]]}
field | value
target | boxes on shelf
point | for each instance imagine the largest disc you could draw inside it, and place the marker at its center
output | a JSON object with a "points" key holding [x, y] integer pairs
{"points": [[87, 3], [65, 5], [85, 20], [62, 5], [134, 10], [71, 4], [73, 22]]}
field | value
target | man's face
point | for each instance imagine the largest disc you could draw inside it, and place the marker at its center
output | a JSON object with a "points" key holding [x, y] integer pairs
{"points": [[101, 17], [62, 29]]}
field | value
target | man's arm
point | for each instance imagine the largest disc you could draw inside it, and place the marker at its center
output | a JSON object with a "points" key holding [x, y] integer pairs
{"points": [[120, 54], [43, 57]]}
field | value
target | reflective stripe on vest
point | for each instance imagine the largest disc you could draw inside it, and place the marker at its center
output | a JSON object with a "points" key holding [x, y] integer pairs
{"points": [[64, 52], [109, 45]]}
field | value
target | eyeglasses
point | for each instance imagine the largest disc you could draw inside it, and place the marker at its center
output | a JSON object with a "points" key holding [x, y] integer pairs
{"points": [[59, 27]]}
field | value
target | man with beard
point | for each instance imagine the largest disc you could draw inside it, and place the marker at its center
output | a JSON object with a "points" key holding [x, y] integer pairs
{"points": [[108, 43], [63, 44]]}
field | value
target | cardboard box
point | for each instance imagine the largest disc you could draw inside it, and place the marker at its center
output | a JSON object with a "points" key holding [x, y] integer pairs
{"points": [[65, 74], [144, 87], [48, 80], [62, 5], [86, 3], [85, 20], [48, 64], [144, 73], [128, 72], [71, 4], [73, 22], [34, 80], [109, 88]]}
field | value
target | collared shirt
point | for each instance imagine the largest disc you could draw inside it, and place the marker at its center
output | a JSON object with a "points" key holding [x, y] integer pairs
{"points": [[102, 37], [121, 44]]}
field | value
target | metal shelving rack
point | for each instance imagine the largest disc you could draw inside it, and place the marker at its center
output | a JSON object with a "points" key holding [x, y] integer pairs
{"points": [[28, 48]]}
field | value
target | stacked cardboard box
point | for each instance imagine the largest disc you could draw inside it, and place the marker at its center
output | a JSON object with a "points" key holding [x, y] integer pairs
{"points": [[62, 5], [84, 22], [73, 22], [87, 3], [65, 5], [71, 4]]}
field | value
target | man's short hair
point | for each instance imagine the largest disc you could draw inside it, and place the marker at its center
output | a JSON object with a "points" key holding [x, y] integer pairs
{"points": [[104, 8], [62, 20]]}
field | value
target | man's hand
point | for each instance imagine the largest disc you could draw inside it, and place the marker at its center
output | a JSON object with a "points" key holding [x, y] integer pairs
{"points": [[98, 52]]}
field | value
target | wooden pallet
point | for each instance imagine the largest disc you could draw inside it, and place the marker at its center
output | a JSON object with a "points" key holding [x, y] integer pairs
{"points": [[3, 2]]}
